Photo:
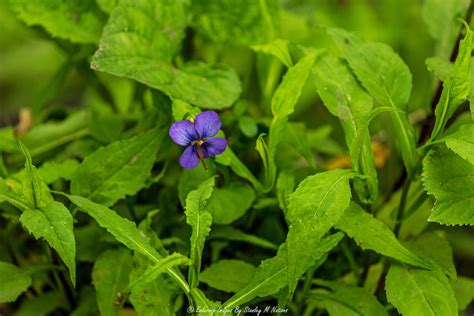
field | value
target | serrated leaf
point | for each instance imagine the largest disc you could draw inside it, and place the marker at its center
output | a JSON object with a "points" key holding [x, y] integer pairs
{"points": [[117, 170], [139, 42], [370, 233], [431, 247], [228, 275], [462, 141], [110, 279], [154, 271], [79, 21], [13, 282], [200, 221], [54, 223], [416, 292], [277, 48], [345, 300], [313, 209], [388, 80], [440, 18], [234, 21], [453, 187], [124, 231], [345, 99], [222, 204], [456, 88]]}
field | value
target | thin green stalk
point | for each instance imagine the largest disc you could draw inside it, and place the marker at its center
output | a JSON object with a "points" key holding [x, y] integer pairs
{"points": [[401, 207], [350, 259]]}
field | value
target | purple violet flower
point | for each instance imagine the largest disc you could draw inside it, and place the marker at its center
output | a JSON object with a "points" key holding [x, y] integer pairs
{"points": [[197, 137]]}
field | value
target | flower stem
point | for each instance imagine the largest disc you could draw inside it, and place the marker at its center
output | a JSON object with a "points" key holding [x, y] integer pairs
{"points": [[401, 207]]}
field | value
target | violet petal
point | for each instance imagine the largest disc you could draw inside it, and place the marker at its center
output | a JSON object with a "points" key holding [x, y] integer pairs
{"points": [[183, 133], [189, 158], [207, 124], [214, 146]]}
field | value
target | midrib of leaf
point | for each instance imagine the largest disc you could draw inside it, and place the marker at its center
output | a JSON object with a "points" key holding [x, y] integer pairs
{"points": [[118, 169], [14, 201], [422, 292], [236, 302]]}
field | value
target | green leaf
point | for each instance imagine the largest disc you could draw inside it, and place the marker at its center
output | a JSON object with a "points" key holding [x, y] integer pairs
{"points": [[345, 300], [140, 41], [462, 141], [79, 21], [154, 271], [234, 21], [388, 80], [7, 194], [158, 297], [110, 279], [416, 292], [440, 67], [272, 274], [285, 186], [124, 231], [183, 110], [107, 5], [117, 170], [313, 209], [200, 221], [345, 99], [441, 19], [452, 187], [456, 88], [54, 223], [248, 126], [230, 233], [431, 247], [297, 137], [463, 291], [34, 191], [228, 158], [13, 282], [277, 48], [370, 233], [44, 304], [52, 171], [228, 275], [222, 204], [283, 104]]}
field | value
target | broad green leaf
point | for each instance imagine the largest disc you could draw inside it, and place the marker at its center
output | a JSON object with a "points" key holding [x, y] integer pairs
{"points": [[388, 80], [345, 300], [230, 233], [54, 223], [13, 282], [200, 221], [87, 304], [248, 126], [110, 279], [234, 21], [117, 170], [440, 67], [158, 297], [431, 247], [44, 304], [228, 158], [456, 88], [52, 171], [440, 17], [345, 99], [451, 180], [228, 275], [272, 274], [154, 271], [124, 231], [297, 137], [463, 291], [79, 21], [313, 209], [140, 41], [285, 186], [370, 233], [183, 110], [416, 292], [462, 141], [471, 96], [222, 204], [278, 48]]}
